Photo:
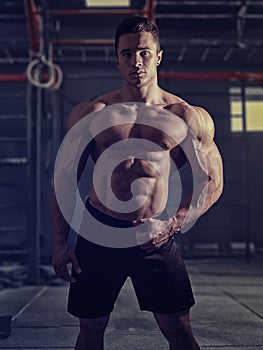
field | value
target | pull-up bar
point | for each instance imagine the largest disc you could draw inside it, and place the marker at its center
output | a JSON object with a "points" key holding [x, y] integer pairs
{"points": [[170, 75]]}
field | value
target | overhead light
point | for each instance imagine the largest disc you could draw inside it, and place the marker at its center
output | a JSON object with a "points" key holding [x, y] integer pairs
{"points": [[107, 3]]}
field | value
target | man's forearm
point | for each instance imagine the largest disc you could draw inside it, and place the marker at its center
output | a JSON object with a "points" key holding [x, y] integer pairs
{"points": [[60, 226], [197, 203]]}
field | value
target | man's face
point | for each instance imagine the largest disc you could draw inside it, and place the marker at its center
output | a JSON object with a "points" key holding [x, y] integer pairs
{"points": [[137, 58]]}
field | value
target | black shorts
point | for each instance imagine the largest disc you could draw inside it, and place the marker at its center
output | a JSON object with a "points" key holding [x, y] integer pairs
{"points": [[159, 278]]}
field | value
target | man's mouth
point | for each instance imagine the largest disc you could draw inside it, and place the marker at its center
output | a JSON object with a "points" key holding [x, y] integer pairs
{"points": [[137, 74]]}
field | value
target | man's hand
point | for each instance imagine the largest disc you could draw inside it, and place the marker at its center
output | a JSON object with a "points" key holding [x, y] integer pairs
{"points": [[157, 233], [63, 255]]}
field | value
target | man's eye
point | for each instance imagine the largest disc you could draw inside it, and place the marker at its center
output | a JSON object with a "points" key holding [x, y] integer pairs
{"points": [[145, 53], [126, 54]]}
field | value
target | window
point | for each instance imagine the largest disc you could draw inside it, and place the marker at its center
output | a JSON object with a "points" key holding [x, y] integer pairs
{"points": [[236, 109], [253, 109], [107, 3]]}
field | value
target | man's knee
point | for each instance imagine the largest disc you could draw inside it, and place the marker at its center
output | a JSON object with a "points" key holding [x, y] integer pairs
{"points": [[93, 325], [177, 330], [171, 323]]}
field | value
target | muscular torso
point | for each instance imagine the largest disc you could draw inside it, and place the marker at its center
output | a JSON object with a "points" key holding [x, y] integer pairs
{"points": [[132, 154]]}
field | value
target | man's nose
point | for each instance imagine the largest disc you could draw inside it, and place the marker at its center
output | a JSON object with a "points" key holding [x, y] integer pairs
{"points": [[136, 60]]}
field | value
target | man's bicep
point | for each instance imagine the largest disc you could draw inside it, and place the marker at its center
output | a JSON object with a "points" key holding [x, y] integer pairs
{"points": [[196, 157], [78, 143], [88, 152], [199, 143]]}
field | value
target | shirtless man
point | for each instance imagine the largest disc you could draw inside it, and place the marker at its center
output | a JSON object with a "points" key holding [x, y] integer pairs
{"points": [[159, 277]]}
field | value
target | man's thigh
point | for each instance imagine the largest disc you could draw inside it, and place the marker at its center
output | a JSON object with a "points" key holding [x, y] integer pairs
{"points": [[161, 281], [97, 287]]}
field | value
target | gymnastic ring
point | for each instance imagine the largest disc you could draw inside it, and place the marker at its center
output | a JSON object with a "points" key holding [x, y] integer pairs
{"points": [[31, 75], [59, 77]]}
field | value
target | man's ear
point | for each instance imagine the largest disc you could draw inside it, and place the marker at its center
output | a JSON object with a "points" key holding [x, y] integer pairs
{"points": [[159, 57], [117, 61]]}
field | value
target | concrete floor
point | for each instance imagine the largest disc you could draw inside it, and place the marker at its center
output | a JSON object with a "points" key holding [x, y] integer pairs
{"points": [[228, 314]]}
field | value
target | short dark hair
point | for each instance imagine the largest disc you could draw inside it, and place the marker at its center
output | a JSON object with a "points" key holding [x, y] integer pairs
{"points": [[135, 25]]}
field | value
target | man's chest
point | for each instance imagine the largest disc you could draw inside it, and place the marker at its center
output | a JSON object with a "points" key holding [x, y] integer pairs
{"points": [[158, 126]]}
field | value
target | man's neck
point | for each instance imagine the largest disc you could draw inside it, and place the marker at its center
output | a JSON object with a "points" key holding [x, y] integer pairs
{"points": [[146, 94]]}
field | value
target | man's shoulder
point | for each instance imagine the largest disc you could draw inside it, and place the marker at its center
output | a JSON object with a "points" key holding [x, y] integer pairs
{"points": [[197, 119], [81, 110], [177, 105], [84, 108]]}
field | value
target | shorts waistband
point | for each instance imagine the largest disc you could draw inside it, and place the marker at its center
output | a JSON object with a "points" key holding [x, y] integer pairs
{"points": [[107, 219]]}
